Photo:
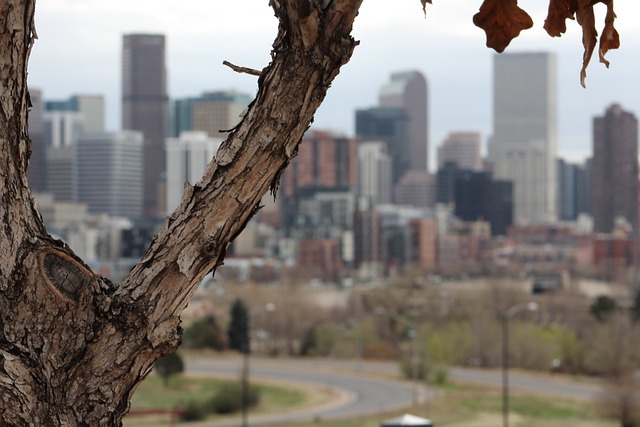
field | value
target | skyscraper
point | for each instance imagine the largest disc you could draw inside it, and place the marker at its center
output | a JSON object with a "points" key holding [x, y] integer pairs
{"points": [[523, 148], [479, 197], [461, 148], [325, 162], [187, 159], [374, 172], [37, 162], [145, 107], [212, 112], [614, 169], [90, 107], [408, 90], [573, 190], [107, 173], [391, 125]]}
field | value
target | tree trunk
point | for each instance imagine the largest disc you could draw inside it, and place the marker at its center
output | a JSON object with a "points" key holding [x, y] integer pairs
{"points": [[73, 345]]}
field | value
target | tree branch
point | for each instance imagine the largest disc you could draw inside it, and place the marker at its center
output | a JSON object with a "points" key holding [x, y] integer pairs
{"points": [[244, 70]]}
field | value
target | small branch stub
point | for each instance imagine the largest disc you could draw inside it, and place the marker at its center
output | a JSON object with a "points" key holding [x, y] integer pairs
{"points": [[244, 70]]}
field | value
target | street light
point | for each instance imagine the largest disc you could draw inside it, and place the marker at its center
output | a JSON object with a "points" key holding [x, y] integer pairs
{"points": [[269, 307], [531, 306], [413, 333]]}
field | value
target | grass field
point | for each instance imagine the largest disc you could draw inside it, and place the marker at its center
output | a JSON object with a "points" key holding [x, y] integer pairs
{"points": [[454, 405], [274, 397]]}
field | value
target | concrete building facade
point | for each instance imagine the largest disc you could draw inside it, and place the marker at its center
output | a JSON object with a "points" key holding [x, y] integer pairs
{"points": [[108, 173], [614, 169], [523, 146], [145, 107], [187, 159]]}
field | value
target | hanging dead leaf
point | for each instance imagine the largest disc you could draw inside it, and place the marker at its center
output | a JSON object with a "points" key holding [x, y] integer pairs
{"points": [[559, 12], [424, 5], [502, 21], [610, 39], [586, 19]]}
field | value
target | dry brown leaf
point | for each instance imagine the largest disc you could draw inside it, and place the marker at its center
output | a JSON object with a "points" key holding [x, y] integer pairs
{"points": [[586, 19], [559, 12], [424, 5], [502, 21], [610, 38]]}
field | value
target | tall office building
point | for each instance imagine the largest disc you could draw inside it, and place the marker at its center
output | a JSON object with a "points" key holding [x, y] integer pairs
{"points": [[37, 162], [90, 107], [479, 197], [62, 129], [212, 112], [461, 148], [573, 190], [108, 174], [408, 90], [374, 172], [187, 159], [614, 169], [391, 125], [145, 107], [325, 162], [523, 147]]}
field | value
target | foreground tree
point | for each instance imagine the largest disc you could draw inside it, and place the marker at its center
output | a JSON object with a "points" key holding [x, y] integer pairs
{"points": [[73, 346]]}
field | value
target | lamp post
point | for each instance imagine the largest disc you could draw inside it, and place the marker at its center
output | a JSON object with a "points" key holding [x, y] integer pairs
{"points": [[531, 306], [269, 307]]}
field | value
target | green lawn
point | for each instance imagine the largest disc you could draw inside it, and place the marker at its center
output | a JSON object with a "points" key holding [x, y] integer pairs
{"points": [[463, 405], [154, 394], [455, 405]]}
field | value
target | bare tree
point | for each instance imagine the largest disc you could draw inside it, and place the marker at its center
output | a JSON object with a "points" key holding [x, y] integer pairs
{"points": [[73, 346]]}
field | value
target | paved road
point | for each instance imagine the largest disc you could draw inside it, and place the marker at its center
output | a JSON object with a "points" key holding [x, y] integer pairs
{"points": [[372, 387], [358, 394]]}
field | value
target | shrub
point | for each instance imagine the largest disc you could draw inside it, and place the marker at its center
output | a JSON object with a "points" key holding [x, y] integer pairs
{"points": [[193, 411], [229, 398], [205, 333]]}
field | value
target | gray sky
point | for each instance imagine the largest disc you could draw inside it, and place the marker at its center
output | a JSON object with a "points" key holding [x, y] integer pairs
{"points": [[79, 45]]}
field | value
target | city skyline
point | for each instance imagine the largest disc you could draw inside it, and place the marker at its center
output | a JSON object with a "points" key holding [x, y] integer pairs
{"points": [[457, 67]]}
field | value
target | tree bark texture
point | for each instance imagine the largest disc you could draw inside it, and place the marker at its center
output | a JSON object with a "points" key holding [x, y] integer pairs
{"points": [[73, 345]]}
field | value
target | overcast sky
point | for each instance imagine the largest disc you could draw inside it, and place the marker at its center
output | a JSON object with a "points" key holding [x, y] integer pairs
{"points": [[79, 48]]}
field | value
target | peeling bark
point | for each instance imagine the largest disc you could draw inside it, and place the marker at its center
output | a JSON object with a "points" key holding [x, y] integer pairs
{"points": [[73, 346]]}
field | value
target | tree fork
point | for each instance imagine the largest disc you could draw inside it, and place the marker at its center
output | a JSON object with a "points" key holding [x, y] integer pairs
{"points": [[73, 346]]}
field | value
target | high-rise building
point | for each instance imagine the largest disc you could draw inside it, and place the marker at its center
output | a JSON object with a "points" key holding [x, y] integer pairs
{"points": [[461, 148], [187, 159], [614, 169], [108, 173], [479, 197], [325, 162], [573, 190], [445, 182], [391, 125], [213, 112], [417, 188], [145, 107], [374, 172], [523, 146], [60, 178], [37, 162], [90, 107], [62, 128], [408, 90]]}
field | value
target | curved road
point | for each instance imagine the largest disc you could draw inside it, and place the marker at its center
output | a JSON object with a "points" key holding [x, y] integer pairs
{"points": [[371, 387], [358, 394]]}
